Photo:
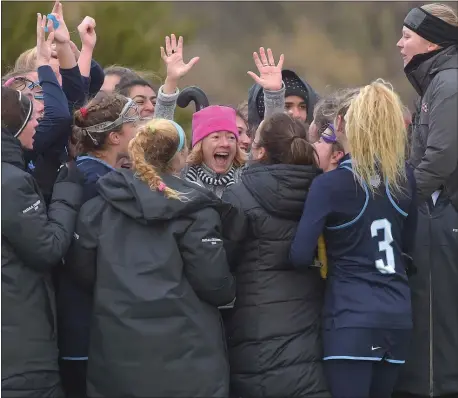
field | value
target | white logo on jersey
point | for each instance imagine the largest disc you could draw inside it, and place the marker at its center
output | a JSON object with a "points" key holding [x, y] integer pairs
{"points": [[375, 348]]}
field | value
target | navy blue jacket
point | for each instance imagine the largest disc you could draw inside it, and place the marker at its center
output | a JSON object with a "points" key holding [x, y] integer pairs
{"points": [[74, 303], [53, 131], [366, 237]]}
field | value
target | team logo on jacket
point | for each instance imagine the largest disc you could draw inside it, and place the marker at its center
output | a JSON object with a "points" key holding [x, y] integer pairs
{"points": [[424, 107], [32, 207], [212, 241]]}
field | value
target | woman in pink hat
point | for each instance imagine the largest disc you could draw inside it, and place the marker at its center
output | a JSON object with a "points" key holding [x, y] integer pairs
{"points": [[216, 159]]}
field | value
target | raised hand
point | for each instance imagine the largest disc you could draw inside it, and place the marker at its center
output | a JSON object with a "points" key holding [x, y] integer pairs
{"points": [[75, 50], [86, 30], [61, 34], [173, 58], [270, 77], [44, 46]]}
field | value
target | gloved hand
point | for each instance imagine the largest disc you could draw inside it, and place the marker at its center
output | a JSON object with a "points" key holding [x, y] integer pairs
{"points": [[69, 173]]}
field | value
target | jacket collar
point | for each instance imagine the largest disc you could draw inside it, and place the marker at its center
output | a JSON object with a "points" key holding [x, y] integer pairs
{"points": [[423, 67]]}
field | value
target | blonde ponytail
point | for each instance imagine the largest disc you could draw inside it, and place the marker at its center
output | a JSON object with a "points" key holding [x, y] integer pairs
{"points": [[142, 164], [377, 136]]}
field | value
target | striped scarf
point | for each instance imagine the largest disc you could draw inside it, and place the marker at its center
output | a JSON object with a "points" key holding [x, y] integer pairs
{"points": [[196, 173]]}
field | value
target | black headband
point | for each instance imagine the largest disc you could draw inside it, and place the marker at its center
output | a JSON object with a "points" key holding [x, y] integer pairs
{"points": [[431, 28]]}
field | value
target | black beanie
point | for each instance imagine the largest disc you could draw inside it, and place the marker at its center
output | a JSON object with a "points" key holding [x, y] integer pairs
{"points": [[293, 86]]}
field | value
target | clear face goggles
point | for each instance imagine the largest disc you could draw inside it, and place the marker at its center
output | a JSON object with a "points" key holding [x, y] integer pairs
{"points": [[129, 114]]}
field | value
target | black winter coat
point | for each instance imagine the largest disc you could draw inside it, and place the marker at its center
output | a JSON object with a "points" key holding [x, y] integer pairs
{"points": [[432, 366], [33, 241], [161, 274], [274, 330]]}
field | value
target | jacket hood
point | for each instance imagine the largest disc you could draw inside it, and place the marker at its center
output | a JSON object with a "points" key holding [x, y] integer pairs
{"points": [[12, 152], [423, 67], [254, 118], [280, 189], [136, 200]]}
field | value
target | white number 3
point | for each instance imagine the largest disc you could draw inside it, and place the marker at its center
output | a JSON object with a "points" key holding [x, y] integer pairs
{"points": [[384, 245]]}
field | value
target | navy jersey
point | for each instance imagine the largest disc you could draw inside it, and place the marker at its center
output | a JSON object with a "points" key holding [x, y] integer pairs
{"points": [[366, 235]]}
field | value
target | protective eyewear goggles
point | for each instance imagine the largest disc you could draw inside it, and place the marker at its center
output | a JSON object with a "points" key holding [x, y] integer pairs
{"points": [[129, 114], [329, 134], [27, 86]]}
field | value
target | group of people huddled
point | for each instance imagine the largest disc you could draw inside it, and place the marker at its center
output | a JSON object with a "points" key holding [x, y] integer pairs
{"points": [[296, 245]]}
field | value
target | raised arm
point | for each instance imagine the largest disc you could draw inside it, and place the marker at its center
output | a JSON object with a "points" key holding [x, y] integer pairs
{"points": [[270, 79], [167, 95], [72, 82], [56, 122]]}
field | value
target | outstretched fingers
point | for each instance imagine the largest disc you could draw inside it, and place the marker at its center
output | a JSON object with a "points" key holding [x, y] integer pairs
{"points": [[257, 61], [270, 57], [192, 62], [168, 46], [262, 53], [280, 62], [255, 77]]}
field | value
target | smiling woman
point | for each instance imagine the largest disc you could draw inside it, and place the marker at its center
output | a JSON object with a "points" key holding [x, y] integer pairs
{"points": [[216, 158], [142, 92]]}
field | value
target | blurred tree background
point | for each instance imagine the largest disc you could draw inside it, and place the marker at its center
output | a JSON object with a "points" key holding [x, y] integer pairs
{"points": [[330, 44]]}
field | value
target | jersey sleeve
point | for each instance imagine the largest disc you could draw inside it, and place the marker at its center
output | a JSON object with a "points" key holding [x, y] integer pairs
{"points": [[316, 209]]}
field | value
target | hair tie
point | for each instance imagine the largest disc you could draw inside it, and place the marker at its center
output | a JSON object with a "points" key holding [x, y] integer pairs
{"points": [[161, 187], [84, 112]]}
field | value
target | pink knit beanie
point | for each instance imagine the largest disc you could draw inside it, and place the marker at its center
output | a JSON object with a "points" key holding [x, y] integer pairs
{"points": [[211, 120]]}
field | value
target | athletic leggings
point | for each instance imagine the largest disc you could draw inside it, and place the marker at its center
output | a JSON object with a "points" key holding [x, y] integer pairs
{"points": [[360, 379]]}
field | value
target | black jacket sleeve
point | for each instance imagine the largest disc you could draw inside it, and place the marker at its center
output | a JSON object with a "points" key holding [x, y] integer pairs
{"points": [[41, 238], [73, 86], [55, 126], [204, 258], [81, 258], [441, 157], [97, 78]]}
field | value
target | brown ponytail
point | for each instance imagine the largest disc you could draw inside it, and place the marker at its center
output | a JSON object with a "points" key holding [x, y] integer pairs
{"points": [[104, 107], [285, 140]]}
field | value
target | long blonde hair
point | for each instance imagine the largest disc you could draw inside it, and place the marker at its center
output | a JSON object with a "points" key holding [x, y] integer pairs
{"points": [[377, 135], [27, 60], [151, 151]]}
